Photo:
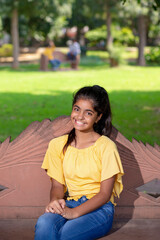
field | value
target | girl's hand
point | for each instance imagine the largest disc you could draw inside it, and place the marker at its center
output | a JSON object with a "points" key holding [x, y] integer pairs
{"points": [[69, 213], [56, 206]]}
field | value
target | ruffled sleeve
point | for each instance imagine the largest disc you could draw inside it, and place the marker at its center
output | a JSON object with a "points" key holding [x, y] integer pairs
{"points": [[53, 160], [111, 165]]}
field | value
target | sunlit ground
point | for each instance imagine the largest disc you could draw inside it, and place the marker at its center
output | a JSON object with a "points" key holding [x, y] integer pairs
{"points": [[27, 95]]}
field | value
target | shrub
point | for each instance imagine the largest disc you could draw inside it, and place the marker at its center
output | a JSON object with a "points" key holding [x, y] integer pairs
{"points": [[121, 36], [116, 56], [6, 50], [124, 36], [153, 56], [96, 35]]}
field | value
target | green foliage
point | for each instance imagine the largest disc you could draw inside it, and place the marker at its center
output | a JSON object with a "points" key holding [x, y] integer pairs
{"points": [[87, 13], [153, 56], [96, 35], [154, 28], [121, 36], [6, 50], [124, 36], [116, 56], [36, 18], [154, 3], [154, 31]]}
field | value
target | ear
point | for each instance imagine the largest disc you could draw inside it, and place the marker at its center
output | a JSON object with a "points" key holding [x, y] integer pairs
{"points": [[98, 118]]}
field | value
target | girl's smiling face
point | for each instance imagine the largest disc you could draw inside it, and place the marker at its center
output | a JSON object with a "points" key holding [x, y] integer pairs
{"points": [[84, 116]]}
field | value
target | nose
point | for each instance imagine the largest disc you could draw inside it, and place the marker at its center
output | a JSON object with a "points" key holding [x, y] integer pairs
{"points": [[80, 115]]}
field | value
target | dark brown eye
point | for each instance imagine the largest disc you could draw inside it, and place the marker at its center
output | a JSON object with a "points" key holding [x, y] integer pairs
{"points": [[75, 109], [89, 113]]}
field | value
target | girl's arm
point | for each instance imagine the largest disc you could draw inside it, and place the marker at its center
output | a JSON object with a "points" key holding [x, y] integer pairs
{"points": [[57, 202], [95, 202]]}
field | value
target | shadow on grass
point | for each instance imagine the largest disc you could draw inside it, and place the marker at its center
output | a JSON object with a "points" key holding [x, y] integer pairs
{"points": [[135, 114], [18, 110]]}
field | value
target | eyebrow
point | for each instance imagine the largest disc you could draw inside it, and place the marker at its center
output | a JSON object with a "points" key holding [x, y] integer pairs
{"points": [[88, 110]]}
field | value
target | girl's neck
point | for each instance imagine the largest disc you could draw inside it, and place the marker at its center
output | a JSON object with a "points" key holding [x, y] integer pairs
{"points": [[85, 139]]}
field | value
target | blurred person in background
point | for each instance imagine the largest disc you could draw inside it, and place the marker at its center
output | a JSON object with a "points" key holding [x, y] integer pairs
{"points": [[49, 50], [74, 50]]}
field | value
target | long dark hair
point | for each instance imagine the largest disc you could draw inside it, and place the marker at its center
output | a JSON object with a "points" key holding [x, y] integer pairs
{"points": [[101, 105]]}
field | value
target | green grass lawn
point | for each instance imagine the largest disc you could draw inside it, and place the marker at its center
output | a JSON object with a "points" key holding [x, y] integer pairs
{"points": [[27, 95]]}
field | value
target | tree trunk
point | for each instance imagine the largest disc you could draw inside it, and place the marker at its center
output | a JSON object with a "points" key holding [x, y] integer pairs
{"points": [[15, 38], [109, 41], [142, 40]]}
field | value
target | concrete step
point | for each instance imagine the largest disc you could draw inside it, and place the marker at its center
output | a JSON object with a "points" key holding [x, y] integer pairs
{"points": [[134, 229]]}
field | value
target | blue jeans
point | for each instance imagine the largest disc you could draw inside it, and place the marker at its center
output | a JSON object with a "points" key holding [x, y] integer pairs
{"points": [[90, 226], [55, 63], [71, 56]]}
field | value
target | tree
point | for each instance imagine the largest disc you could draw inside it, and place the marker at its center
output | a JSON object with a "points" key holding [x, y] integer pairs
{"points": [[15, 37], [142, 32], [94, 15], [143, 19], [140, 11], [85, 13], [30, 8], [108, 25], [110, 8], [10, 7]]}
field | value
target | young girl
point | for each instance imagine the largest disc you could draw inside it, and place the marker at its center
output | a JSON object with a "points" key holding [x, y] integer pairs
{"points": [[86, 163]]}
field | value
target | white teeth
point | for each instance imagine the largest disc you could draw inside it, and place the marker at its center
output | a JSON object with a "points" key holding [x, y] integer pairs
{"points": [[80, 123]]}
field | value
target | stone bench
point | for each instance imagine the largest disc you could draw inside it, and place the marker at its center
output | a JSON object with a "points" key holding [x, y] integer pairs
{"points": [[25, 187], [60, 56]]}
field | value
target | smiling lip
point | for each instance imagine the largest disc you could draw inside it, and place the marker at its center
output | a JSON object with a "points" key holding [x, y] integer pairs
{"points": [[79, 123]]}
